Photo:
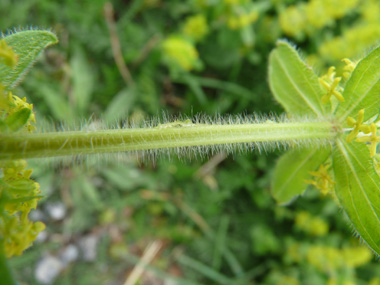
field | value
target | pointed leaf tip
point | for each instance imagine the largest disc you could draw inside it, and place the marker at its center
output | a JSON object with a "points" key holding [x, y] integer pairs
{"points": [[27, 45], [362, 88], [293, 83]]}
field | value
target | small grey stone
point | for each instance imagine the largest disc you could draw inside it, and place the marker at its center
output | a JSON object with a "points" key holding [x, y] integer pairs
{"points": [[88, 246], [57, 211], [69, 254], [47, 270]]}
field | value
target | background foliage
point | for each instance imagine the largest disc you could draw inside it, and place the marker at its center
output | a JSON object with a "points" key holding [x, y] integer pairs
{"points": [[214, 217]]}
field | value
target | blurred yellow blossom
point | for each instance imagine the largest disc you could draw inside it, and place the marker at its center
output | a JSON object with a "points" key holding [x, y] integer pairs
{"points": [[196, 27], [352, 43], [325, 259], [293, 20], [316, 14], [374, 281], [357, 256], [242, 20], [294, 252], [235, 2], [370, 11], [334, 281], [289, 280], [311, 225], [329, 259], [7, 55], [181, 53], [322, 180], [339, 8]]}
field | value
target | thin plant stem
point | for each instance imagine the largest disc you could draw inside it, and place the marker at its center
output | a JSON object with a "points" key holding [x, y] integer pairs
{"points": [[177, 136]]}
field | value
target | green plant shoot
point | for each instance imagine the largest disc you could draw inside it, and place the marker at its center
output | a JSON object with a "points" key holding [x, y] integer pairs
{"points": [[331, 127]]}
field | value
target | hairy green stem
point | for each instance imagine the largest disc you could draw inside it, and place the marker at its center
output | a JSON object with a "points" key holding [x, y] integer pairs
{"points": [[166, 136]]}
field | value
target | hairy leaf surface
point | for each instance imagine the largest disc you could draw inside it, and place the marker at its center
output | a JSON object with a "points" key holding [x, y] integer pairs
{"points": [[293, 83], [358, 189], [27, 45], [293, 169], [362, 89]]}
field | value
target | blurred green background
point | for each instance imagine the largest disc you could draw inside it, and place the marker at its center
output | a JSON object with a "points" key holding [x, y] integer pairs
{"points": [[200, 220]]}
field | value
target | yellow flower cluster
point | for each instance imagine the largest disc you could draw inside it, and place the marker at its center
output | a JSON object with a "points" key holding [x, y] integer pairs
{"points": [[358, 37], [235, 2], [18, 193], [315, 14], [314, 226], [293, 21], [242, 20], [11, 105], [181, 53], [352, 42], [327, 259], [322, 180], [7, 56], [196, 27]]}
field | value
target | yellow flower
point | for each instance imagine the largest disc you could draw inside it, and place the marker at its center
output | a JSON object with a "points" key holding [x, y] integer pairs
{"points": [[339, 8], [352, 42], [311, 225], [235, 2], [10, 104], [370, 11], [357, 125], [19, 233], [329, 259], [373, 139], [179, 52], [322, 180], [293, 20], [331, 84], [243, 20], [294, 252], [196, 27], [325, 259], [20, 195], [7, 55], [357, 256], [374, 281], [349, 67], [316, 14]]}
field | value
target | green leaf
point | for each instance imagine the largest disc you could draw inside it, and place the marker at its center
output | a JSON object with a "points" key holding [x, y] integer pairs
{"points": [[18, 119], [293, 169], [358, 189], [27, 45], [57, 103], [89, 193], [362, 89], [121, 105], [83, 78], [293, 83]]}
